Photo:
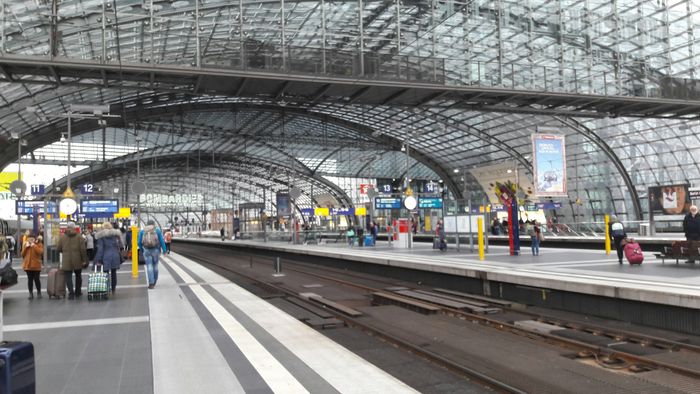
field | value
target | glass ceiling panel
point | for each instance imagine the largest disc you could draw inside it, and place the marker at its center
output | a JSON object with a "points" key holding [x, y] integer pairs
{"points": [[597, 47]]}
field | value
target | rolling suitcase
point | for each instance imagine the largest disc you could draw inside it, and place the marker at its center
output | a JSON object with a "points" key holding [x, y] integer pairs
{"points": [[98, 285], [369, 241], [56, 284], [17, 373], [633, 253]]}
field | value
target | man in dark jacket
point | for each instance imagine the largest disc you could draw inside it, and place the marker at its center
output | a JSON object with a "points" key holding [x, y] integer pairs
{"points": [[618, 234], [72, 246], [691, 228]]}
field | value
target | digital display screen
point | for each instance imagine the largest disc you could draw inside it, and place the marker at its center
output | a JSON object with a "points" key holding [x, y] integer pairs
{"points": [[387, 203], [99, 206], [27, 207], [430, 203]]}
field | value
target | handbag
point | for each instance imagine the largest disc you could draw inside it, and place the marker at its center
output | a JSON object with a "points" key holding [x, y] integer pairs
{"points": [[541, 236], [8, 276]]}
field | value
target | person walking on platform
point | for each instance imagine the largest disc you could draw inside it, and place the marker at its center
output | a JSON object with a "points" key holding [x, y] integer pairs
{"points": [[618, 234], [535, 234], [151, 242], [168, 240], [440, 232], [74, 250], [691, 228], [32, 252], [223, 234], [109, 247]]}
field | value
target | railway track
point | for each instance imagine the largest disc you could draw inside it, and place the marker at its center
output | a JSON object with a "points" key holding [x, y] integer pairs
{"points": [[492, 383], [606, 357], [635, 362]]}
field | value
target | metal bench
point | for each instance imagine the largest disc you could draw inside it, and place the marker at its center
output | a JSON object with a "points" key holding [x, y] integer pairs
{"points": [[668, 254]]}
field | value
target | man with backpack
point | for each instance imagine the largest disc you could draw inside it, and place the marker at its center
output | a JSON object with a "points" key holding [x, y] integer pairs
{"points": [[151, 242], [618, 234]]}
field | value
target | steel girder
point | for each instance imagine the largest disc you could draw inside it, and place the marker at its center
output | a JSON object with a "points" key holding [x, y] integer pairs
{"points": [[304, 88]]}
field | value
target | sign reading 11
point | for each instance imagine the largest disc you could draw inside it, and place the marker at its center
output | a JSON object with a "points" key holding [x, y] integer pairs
{"points": [[87, 188]]}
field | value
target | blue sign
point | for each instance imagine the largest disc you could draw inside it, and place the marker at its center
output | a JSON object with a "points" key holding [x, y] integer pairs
{"points": [[429, 203], [342, 211], [87, 188], [29, 207], [37, 190], [105, 207], [549, 205], [307, 211], [387, 203], [430, 187]]}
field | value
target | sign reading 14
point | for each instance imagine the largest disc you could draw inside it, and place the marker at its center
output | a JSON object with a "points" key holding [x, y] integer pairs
{"points": [[87, 188]]}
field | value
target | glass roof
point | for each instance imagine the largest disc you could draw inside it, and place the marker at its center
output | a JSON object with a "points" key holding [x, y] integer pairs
{"points": [[632, 48], [622, 48]]}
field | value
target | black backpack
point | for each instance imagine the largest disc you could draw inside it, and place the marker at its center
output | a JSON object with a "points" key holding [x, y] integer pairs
{"points": [[8, 276]]}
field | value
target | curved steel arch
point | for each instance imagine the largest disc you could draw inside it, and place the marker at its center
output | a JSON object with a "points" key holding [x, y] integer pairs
{"points": [[605, 148], [49, 133], [130, 160]]}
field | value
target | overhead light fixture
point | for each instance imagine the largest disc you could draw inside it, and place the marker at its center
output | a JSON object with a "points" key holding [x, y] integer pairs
{"points": [[63, 137], [456, 170], [116, 190], [509, 171]]}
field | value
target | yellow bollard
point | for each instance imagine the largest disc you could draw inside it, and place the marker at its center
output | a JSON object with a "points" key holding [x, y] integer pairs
{"points": [[134, 252], [607, 234], [480, 236]]}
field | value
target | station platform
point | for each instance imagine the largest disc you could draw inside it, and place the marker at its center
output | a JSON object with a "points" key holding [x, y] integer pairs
{"points": [[664, 295], [576, 270], [196, 332]]}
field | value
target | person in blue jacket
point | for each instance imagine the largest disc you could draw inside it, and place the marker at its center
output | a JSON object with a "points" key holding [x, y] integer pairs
{"points": [[152, 243], [109, 249]]}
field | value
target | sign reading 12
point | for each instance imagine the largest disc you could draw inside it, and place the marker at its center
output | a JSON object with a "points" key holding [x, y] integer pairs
{"points": [[87, 188]]}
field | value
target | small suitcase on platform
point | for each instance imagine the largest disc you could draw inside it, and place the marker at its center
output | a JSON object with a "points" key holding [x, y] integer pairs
{"points": [[56, 284], [17, 373], [633, 252], [98, 285], [369, 241], [436, 243]]}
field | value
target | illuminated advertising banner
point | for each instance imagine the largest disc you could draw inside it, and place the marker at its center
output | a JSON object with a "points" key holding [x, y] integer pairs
{"points": [[549, 164], [671, 202], [284, 207]]}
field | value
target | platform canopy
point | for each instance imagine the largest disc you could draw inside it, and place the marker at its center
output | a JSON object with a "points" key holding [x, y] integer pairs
{"points": [[264, 95]]}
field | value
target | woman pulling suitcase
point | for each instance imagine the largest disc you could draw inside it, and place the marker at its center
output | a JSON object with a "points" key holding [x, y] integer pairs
{"points": [[109, 246]]}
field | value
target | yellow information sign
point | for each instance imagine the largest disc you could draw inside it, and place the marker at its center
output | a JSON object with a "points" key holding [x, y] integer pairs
{"points": [[361, 211], [322, 212], [124, 213], [5, 179]]}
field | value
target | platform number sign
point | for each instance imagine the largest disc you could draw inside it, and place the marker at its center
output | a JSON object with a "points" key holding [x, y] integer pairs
{"points": [[37, 190], [386, 188], [429, 187], [87, 188]]}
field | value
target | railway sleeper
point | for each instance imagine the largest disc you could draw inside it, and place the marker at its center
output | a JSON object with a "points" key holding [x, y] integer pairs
{"points": [[405, 302]]}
